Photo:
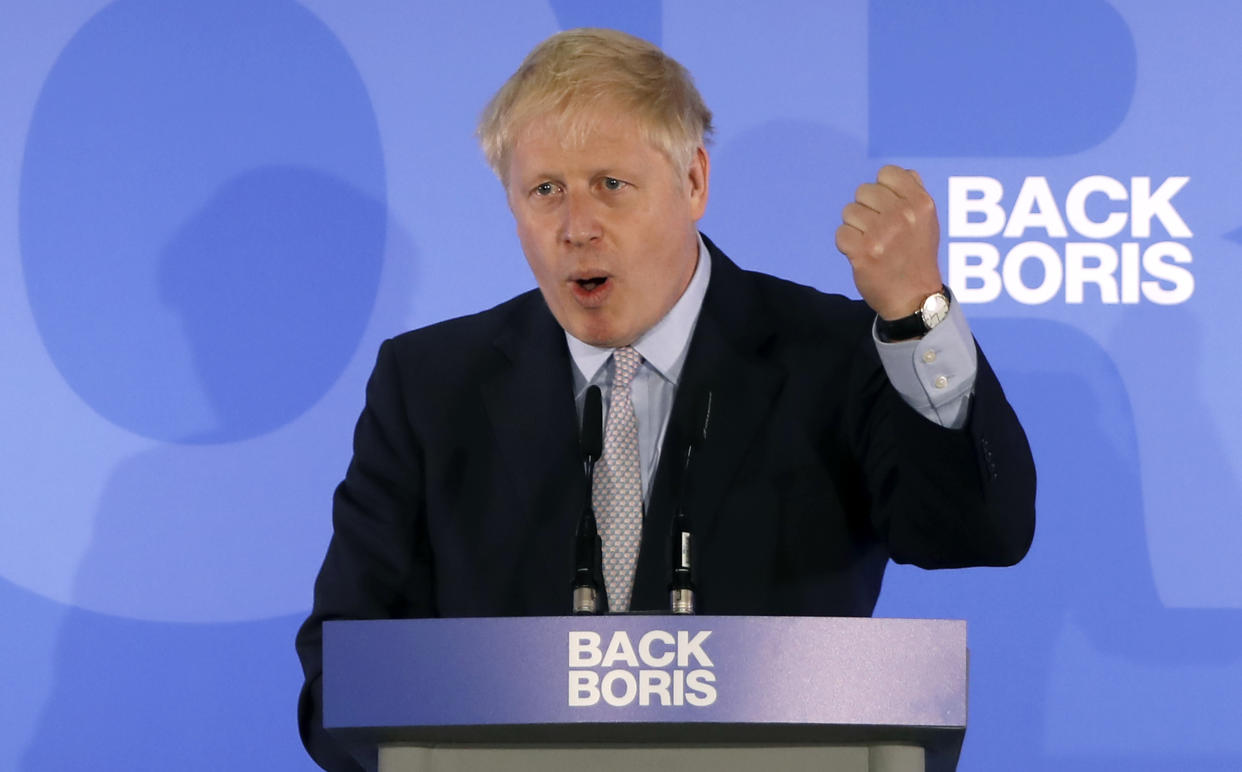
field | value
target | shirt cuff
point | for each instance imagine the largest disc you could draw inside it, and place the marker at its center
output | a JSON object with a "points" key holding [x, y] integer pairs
{"points": [[934, 374]]}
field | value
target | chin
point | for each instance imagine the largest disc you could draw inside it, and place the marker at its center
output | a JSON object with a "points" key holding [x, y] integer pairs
{"points": [[602, 338], [602, 341], [589, 329]]}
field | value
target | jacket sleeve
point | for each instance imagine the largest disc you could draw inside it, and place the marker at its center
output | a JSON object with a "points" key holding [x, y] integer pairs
{"points": [[944, 498], [378, 564]]}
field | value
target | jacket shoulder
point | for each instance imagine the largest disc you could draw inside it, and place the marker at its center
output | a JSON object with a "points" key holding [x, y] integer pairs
{"points": [[481, 327], [457, 350]]}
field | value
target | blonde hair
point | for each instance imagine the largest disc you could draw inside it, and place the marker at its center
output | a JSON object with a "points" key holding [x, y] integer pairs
{"points": [[570, 73]]}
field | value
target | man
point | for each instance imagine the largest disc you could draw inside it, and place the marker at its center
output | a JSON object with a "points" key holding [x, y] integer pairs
{"points": [[841, 433]]}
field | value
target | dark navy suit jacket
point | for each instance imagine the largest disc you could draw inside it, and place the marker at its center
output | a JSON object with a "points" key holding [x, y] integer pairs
{"points": [[466, 482]]}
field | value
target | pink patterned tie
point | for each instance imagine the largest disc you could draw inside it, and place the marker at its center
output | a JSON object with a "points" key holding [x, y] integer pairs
{"points": [[617, 494]]}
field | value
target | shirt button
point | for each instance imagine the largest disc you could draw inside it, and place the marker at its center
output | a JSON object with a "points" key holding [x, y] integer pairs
{"points": [[941, 381], [929, 355]]}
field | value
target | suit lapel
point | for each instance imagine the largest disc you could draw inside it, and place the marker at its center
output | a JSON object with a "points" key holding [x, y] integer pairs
{"points": [[529, 402], [725, 359], [530, 406]]}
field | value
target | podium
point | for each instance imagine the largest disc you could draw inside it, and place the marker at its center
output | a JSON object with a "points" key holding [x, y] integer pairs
{"points": [[644, 692]]}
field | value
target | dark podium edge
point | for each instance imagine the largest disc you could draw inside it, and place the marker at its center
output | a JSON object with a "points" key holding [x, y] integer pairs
{"points": [[942, 745]]}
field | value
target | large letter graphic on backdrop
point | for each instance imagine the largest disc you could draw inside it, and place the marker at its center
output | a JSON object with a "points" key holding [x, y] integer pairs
{"points": [[1020, 78]]}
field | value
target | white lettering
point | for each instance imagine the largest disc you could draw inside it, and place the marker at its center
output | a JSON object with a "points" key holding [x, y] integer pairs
{"points": [[630, 685], [688, 647], [644, 649], [1076, 207], [1129, 272], [620, 650], [618, 681], [1145, 205], [1183, 281], [584, 649], [962, 269], [962, 205], [1035, 208], [700, 691], [1078, 273], [654, 683], [1012, 272], [583, 688]]}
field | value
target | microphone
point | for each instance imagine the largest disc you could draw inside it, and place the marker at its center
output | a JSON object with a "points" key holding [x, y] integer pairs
{"points": [[586, 539], [681, 586]]}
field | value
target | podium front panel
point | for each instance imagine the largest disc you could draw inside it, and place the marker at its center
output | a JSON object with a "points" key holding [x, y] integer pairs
{"points": [[609, 672]]}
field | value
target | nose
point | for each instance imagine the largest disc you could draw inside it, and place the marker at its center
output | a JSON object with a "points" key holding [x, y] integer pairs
{"points": [[580, 224]]}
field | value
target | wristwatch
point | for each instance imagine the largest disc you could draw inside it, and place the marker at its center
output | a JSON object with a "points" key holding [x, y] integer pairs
{"points": [[933, 311]]}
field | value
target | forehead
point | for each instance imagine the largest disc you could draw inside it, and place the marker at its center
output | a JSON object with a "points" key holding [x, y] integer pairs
{"points": [[598, 136]]}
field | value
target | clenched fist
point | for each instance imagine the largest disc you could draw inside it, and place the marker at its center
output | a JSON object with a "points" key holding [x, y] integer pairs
{"points": [[891, 236]]}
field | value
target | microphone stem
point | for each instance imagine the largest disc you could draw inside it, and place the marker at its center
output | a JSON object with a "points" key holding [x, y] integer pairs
{"points": [[681, 592], [586, 589]]}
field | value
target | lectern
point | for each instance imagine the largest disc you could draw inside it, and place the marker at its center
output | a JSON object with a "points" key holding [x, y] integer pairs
{"points": [[641, 692]]}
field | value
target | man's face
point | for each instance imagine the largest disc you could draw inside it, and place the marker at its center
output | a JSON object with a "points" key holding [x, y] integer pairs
{"points": [[607, 225]]}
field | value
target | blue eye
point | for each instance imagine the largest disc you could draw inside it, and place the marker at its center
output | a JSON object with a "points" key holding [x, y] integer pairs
{"points": [[612, 183], [544, 189]]}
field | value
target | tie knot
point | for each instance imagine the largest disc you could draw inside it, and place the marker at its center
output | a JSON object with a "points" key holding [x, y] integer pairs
{"points": [[626, 362]]}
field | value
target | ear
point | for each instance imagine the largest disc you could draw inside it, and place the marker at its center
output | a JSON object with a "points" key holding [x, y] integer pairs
{"points": [[698, 176]]}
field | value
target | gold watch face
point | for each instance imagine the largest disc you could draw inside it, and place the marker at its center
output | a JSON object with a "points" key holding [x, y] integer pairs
{"points": [[934, 309]]}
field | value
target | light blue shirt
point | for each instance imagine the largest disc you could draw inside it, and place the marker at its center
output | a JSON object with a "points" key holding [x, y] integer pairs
{"points": [[935, 374]]}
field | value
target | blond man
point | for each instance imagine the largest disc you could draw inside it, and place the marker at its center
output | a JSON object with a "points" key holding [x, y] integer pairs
{"points": [[842, 433]]}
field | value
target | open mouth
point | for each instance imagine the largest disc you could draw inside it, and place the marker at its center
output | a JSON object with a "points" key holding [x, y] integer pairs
{"points": [[591, 283], [591, 291]]}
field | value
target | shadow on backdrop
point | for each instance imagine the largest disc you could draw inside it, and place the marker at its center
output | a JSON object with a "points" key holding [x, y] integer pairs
{"points": [[250, 117], [204, 197], [1193, 502], [1088, 570], [187, 532], [274, 281]]}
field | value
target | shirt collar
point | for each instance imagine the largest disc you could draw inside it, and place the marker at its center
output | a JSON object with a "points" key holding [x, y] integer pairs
{"points": [[665, 345]]}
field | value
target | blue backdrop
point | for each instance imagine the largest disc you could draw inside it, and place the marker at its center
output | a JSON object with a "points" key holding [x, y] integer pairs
{"points": [[212, 212]]}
